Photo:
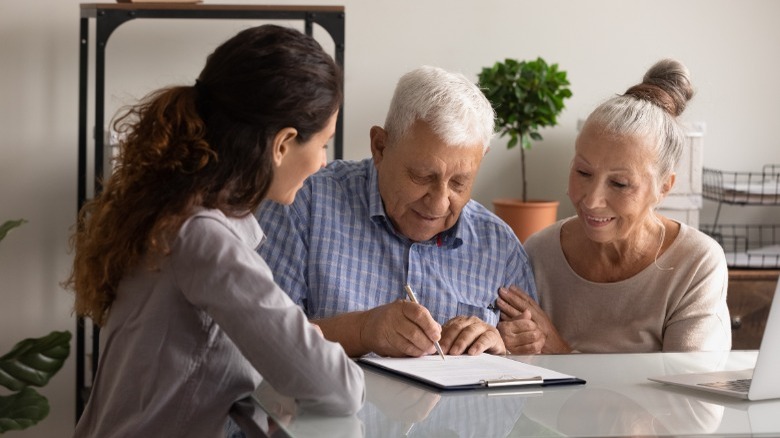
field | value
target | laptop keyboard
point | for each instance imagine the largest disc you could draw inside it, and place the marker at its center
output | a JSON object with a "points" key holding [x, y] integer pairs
{"points": [[739, 385]]}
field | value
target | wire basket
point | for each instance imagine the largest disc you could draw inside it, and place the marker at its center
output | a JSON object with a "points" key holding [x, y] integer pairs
{"points": [[748, 246], [745, 188]]}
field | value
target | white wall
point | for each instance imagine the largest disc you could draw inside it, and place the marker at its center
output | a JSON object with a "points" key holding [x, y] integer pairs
{"points": [[605, 45]]}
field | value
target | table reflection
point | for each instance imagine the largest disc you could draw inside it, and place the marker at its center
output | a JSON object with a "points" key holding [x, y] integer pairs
{"points": [[598, 411], [285, 419], [397, 408], [617, 400]]}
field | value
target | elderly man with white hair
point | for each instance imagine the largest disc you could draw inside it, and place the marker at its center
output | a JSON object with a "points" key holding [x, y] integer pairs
{"points": [[359, 232]]}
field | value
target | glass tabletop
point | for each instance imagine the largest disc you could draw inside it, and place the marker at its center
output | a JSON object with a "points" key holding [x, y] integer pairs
{"points": [[617, 400]]}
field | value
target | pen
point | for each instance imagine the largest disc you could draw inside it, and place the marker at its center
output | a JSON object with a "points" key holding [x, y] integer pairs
{"points": [[412, 297]]}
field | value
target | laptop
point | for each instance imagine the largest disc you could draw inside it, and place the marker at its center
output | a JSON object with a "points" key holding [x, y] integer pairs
{"points": [[759, 383]]}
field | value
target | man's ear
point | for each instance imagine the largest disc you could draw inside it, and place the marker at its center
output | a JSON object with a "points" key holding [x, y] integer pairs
{"points": [[378, 143], [282, 143]]}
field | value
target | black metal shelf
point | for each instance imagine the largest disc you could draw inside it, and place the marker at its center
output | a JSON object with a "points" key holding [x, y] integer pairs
{"points": [[108, 17], [745, 245], [743, 188], [748, 246]]}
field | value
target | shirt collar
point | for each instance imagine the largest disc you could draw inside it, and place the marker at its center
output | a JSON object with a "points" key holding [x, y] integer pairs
{"points": [[450, 238], [376, 209], [246, 228], [250, 231]]}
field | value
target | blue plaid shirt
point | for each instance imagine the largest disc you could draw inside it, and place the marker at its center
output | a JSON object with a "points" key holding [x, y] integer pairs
{"points": [[334, 251]]}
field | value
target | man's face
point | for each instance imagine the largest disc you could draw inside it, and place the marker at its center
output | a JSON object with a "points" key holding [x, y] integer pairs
{"points": [[423, 181]]}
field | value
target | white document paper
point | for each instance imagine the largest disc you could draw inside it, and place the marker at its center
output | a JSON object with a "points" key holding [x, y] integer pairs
{"points": [[469, 371]]}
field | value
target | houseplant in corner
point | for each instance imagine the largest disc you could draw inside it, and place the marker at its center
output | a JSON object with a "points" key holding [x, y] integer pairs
{"points": [[527, 96], [31, 362]]}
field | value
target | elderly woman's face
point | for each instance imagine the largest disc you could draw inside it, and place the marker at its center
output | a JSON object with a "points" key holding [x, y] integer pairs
{"points": [[423, 181], [613, 184]]}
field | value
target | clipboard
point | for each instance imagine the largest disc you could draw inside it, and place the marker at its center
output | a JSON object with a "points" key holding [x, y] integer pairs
{"points": [[469, 372]]}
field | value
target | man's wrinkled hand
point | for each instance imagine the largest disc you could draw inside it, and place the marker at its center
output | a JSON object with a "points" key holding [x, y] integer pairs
{"points": [[398, 329], [470, 335], [521, 335]]}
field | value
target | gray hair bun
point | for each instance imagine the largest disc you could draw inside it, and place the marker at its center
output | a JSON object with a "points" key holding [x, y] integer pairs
{"points": [[666, 84]]}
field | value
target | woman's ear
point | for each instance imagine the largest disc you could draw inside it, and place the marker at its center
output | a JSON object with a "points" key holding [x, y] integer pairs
{"points": [[663, 189], [667, 186], [282, 143]]}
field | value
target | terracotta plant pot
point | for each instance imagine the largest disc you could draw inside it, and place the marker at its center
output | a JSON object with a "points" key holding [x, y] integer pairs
{"points": [[526, 218]]}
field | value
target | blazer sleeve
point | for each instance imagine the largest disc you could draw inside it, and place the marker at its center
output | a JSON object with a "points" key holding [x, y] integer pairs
{"points": [[227, 279]]}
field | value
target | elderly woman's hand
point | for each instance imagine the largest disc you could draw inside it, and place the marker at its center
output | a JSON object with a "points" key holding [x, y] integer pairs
{"points": [[525, 326]]}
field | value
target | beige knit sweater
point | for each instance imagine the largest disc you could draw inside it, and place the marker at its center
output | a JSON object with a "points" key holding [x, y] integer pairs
{"points": [[679, 309]]}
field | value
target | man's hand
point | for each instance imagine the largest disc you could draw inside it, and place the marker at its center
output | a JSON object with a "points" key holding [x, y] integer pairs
{"points": [[521, 334], [401, 328], [525, 327], [402, 402], [470, 335]]}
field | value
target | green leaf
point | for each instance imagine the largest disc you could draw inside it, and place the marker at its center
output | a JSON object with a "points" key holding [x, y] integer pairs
{"points": [[34, 361], [22, 410], [524, 94], [526, 142], [8, 226]]}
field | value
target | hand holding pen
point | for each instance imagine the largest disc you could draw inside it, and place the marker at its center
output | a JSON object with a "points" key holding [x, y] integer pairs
{"points": [[397, 329], [413, 298]]}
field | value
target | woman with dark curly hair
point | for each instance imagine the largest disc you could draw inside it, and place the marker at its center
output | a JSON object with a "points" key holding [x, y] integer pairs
{"points": [[165, 259]]}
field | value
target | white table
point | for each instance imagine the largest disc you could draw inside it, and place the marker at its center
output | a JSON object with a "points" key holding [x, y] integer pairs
{"points": [[617, 400]]}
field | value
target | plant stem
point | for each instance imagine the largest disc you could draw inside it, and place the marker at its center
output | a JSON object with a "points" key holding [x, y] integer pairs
{"points": [[522, 168]]}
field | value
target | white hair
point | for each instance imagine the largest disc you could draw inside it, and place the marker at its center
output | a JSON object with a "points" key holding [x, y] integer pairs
{"points": [[650, 110], [454, 107]]}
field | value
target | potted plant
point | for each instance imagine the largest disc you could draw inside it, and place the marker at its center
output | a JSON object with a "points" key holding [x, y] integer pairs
{"points": [[31, 362], [527, 96]]}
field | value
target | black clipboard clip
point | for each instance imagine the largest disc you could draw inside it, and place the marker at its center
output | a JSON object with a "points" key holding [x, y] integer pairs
{"points": [[512, 381]]}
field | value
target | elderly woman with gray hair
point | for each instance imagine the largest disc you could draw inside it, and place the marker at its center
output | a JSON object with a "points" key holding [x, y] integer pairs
{"points": [[619, 276]]}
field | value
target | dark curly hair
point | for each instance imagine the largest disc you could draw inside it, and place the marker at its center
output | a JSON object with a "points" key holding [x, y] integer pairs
{"points": [[203, 145]]}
